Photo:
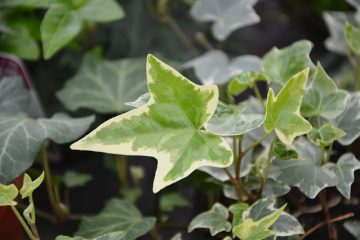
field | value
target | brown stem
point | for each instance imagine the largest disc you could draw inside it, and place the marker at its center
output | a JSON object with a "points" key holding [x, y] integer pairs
{"points": [[316, 227], [331, 229], [240, 190]]}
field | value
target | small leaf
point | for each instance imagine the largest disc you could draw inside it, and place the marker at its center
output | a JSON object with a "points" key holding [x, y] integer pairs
{"points": [[283, 111], [352, 35], [74, 179], [229, 120], [214, 67], [349, 120], [104, 86], [215, 220], [227, 16], [244, 80], [29, 186], [140, 101], [279, 65], [305, 173], [323, 97], [132, 194], [107, 236], [117, 216], [8, 195], [13, 96], [169, 201], [344, 170], [283, 151], [325, 135], [101, 11], [237, 210], [353, 227], [168, 127]]}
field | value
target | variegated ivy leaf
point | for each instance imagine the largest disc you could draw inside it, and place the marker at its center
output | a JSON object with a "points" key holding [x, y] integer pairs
{"points": [[286, 225], [279, 65], [305, 173], [352, 35], [243, 81], [107, 236], [214, 67], [73, 179], [13, 96], [29, 185], [215, 220], [250, 229], [353, 227], [283, 111], [283, 151], [8, 195], [169, 201], [237, 210], [323, 98], [227, 15], [349, 120], [140, 101], [325, 135], [344, 170], [104, 86], [168, 127], [117, 216], [229, 120]]}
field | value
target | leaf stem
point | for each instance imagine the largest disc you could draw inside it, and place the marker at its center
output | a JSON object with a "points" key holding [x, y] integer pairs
{"points": [[259, 96], [238, 187], [256, 143], [264, 177], [331, 229], [122, 165], [357, 76], [23, 224]]}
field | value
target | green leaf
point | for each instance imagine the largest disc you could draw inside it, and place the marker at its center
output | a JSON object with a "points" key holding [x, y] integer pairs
{"points": [[168, 127], [169, 201], [353, 227], [74, 179], [229, 120], [13, 96], [283, 111], [352, 35], [323, 98], [237, 210], [29, 186], [132, 194], [117, 216], [285, 226], [244, 80], [227, 16], [8, 195], [215, 220], [21, 139], [257, 230], [107, 236], [349, 120], [176, 237], [344, 170], [101, 11], [283, 151], [279, 65], [140, 101], [59, 26], [305, 173], [104, 86], [325, 135], [25, 3], [214, 67]]}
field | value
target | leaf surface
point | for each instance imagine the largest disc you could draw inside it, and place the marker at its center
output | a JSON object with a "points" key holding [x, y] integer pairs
{"points": [[107, 236], [101, 11], [352, 35], [29, 185], [170, 201], [353, 227], [75, 179], [13, 96], [325, 135], [8, 195]]}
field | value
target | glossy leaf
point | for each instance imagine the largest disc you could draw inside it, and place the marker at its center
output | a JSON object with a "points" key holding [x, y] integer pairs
{"points": [[325, 135], [344, 170], [29, 186], [305, 173], [323, 98], [227, 16], [13, 96], [104, 86], [101, 11], [285, 226], [283, 111], [8, 195], [279, 65], [283, 151], [215, 220], [117, 216], [168, 127], [169, 201], [73, 179], [107, 236], [244, 80], [349, 120], [59, 26], [229, 120], [353, 227], [214, 67], [352, 35]]}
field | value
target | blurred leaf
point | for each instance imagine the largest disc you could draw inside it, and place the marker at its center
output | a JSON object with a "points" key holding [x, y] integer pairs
{"points": [[26, 3], [353, 227], [104, 86], [8, 194], [243, 81], [176, 237], [283, 151], [229, 120], [118, 215], [279, 65], [107, 236], [140, 101], [101, 11], [169, 201], [132, 194], [13, 96], [325, 135], [29, 186], [237, 210], [283, 111], [227, 16], [352, 35], [215, 220], [74, 179]]}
